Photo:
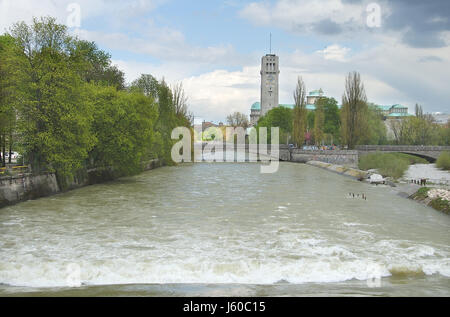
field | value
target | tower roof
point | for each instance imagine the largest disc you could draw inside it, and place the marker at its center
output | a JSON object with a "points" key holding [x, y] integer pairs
{"points": [[256, 106], [318, 93]]}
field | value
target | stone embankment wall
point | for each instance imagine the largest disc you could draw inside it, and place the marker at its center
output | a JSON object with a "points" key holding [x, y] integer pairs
{"points": [[342, 170], [26, 186], [347, 158], [14, 189]]}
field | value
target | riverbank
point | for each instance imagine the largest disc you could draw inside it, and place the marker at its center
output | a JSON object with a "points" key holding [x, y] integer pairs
{"points": [[26, 186], [436, 198], [342, 170]]}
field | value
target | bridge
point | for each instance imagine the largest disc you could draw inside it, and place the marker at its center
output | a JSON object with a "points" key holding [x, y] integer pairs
{"points": [[339, 157], [430, 153]]}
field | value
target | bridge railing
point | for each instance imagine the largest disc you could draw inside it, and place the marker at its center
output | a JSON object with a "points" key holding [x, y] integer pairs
{"points": [[415, 148]]}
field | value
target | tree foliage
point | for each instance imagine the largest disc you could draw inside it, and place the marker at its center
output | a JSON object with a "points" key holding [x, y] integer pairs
{"points": [[354, 111], [299, 113], [375, 132], [54, 116], [238, 119], [8, 100], [123, 125], [280, 117], [68, 109], [332, 122], [319, 124]]}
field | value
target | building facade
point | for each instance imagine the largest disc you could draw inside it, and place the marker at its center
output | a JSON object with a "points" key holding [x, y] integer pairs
{"points": [[393, 112], [313, 96], [256, 108], [270, 72]]}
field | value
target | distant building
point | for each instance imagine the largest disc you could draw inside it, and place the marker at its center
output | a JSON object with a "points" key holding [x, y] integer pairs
{"points": [[255, 113], [206, 125], [441, 118], [394, 112], [313, 96], [270, 71]]}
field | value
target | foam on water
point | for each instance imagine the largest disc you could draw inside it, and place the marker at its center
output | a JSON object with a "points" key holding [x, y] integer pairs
{"points": [[311, 260]]}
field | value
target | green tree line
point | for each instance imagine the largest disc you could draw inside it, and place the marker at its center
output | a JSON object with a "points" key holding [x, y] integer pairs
{"points": [[356, 122], [65, 107]]}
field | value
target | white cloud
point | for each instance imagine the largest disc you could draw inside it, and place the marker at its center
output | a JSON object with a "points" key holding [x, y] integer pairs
{"points": [[212, 95], [12, 11], [216, 94], [392, 73], [163, 43], [290, 14], [172, 72], [335, 52]]}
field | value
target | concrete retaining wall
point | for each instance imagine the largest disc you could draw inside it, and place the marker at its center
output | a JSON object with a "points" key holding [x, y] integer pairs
{"points": [[347, 158], [15, 189]]}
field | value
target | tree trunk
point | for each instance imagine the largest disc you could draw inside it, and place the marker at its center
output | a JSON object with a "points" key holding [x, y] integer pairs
{"points": [[10, 147], [1, 154], [3, 150]]}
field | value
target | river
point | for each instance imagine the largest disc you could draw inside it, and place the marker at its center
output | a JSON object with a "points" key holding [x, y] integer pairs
{"points": [[224, 229]]}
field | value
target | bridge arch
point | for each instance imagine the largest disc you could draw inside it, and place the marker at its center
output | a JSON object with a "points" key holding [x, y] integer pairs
{"points": [[430, 159], [430, 153]]}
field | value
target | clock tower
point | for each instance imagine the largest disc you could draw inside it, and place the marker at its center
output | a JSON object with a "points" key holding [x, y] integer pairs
{"points": [[269, 82]]}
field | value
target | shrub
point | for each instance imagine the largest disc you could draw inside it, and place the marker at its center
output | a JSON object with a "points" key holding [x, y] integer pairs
{"points": [[441, 204], [422, 193], [389, 164], [443, 161]]}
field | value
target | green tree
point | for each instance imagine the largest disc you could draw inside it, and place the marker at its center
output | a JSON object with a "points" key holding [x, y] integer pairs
{"points": [[299, 113], [332, 124], [167, 121], [376, 132], [8, 100], [94, 65], [55, 117], [172, 110], [238, 119], [72, 109], [319, 123], [310, 119], [354, 111], [280, 117], [124, 127], [148, 85]]}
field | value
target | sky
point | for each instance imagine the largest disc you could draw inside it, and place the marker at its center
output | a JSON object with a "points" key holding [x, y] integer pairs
{"points": [[401, 48]]}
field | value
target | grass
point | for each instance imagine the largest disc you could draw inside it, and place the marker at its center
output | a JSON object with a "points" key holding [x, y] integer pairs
{"points": [[422, 193], [389, 164], [441, 205], [437, 203], [443, 161]]}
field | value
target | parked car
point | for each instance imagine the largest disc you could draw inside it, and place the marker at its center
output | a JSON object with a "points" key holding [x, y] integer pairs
{"points": [[14, 155]]}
